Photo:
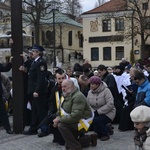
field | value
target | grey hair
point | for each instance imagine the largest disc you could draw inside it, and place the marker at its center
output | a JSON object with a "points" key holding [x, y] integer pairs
{"points": [[70, 82]]}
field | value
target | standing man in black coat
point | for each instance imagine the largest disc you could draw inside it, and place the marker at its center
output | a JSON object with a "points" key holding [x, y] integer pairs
{"points": [[37, 89], [111, 83], [3, 114]]}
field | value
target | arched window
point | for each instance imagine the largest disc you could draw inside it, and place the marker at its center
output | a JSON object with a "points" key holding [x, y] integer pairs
{"points": [[70, 38], [49, 36], [8, 32], [43, 37], [23, 31]]}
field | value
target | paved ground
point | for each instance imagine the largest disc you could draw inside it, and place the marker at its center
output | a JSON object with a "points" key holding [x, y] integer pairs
{"points": [[118, 141]]}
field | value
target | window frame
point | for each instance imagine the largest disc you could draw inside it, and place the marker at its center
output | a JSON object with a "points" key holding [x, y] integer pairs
{"points": [[95, 52], [107, 50], [118, 48], [119, 24], [147, 22], [70, 38], [106, 25], [145, 6]]}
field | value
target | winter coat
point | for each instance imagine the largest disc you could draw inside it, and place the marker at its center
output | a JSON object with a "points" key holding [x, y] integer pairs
{"points": [[75, 104], [143, 94], [101, 100], [37, 77], [146, 144], [4, 68]]}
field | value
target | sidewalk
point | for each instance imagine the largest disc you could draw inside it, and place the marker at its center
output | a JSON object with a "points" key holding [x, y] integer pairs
{"points": [[118, 141]]}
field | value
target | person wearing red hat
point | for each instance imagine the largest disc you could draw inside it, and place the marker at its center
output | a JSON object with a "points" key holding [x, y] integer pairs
{"points": [[102, 102]]}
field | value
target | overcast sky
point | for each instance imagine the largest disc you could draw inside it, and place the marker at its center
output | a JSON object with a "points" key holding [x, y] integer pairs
{"points": [[88, 4]]}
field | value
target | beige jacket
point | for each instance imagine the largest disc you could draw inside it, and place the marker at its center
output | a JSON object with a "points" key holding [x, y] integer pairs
{"points": [[102, 100], [146, 144]]}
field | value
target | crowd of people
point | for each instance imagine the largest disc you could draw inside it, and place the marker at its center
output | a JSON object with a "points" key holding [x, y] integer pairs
{"points": [[79, 105]]}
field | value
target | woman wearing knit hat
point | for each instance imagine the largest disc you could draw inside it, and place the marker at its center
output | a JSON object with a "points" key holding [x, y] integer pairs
{"points": [[141, 118], [101, 100]]}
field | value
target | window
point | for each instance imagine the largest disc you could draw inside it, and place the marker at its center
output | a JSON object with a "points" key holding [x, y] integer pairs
{"points": [[145, 6], [106, 25], [33, 37], [1, 14], [147, 22], [70, 38], [29, 9], [107, 53], [94, 54], [119, 24], [49, 37], [119, 52], [43, 37], [81, 40]]}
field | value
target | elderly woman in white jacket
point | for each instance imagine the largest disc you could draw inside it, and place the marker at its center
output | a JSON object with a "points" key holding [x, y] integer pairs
{"points": [[141, 118], [101, 100]]}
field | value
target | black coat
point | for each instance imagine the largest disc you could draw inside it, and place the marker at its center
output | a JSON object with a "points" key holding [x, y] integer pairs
{"points": [[37, 77], [4, 68], [52, 99], [118, 98], [52, 106]]}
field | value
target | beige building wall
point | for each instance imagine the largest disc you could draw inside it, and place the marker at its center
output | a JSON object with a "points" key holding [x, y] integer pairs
{"points": [[62, 31], [75, 38], [90, 19]]}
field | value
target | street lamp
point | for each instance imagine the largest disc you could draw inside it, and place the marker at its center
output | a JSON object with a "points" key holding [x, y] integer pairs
{"points": [[54, 7]]}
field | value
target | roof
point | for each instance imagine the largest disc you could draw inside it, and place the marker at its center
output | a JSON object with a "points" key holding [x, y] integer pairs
{"points": [[111, 6], [59, 18], [48, 18]]}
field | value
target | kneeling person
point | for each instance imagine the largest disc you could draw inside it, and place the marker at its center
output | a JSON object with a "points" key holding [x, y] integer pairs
{"points": [[74, 118]]}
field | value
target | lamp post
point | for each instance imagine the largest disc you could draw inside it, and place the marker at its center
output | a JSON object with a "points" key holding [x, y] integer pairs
{"points": [[54, 4], [54, 45]]}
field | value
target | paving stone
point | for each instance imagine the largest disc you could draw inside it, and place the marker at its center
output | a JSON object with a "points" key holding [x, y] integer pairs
{"points": [[118, 141]]}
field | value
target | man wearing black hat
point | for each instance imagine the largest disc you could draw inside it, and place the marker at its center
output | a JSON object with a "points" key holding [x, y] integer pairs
{"points": [[37, 89]]}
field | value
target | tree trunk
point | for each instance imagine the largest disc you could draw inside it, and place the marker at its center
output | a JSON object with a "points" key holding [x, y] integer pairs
{"points": [[142, 46], [37, 40]]}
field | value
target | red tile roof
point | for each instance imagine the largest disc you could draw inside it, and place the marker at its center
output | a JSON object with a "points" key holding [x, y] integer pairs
{"points": [[111, 6]]}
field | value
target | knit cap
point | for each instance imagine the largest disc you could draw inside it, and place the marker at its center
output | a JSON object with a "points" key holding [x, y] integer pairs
{"points": [[95, 80]]}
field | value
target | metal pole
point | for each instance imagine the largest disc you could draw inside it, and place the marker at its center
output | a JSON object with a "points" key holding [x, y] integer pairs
{"points": [[132, 31], [17, 77], [54, 38]]}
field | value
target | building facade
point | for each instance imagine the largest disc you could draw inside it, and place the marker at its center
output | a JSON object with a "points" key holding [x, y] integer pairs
{"points": [[108, 34], [68, 35]]}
